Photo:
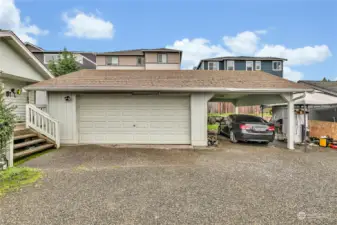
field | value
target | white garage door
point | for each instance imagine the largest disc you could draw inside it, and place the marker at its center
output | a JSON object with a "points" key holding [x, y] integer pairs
{"points": [[116, 119]]}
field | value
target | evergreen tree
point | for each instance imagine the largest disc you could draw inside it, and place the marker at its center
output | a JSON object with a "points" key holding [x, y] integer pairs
{"points": [[66, 63], [7, 122]]}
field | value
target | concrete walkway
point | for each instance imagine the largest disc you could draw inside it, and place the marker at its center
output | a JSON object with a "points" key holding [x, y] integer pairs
{"points": [[235, 184]]}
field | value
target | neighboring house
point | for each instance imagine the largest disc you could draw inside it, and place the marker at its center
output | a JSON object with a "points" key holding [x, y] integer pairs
{"points": [[326, 113], [19, 68], [152, 106], [140, 59], [85, 60], [270, 65]]}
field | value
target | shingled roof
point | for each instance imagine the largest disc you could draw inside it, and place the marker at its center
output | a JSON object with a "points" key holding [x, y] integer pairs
{"points": [[329, 87], [167, 80]]}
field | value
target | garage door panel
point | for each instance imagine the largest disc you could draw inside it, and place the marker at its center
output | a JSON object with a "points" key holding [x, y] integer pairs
{"points": [[134, 119]]}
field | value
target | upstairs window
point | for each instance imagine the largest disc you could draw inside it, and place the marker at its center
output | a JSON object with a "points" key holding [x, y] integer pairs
{"points": [[112, 60], [50, 57], [277, 65], [140, 61], [230, 65], [249, 65], [162, 58], [212, 65], [258, 65]]}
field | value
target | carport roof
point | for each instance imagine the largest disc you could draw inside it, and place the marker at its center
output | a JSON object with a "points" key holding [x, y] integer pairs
{"points": [[169, 80]]}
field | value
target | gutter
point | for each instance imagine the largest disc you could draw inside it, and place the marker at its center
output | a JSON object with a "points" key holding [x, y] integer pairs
{"points": [[216, 90]]}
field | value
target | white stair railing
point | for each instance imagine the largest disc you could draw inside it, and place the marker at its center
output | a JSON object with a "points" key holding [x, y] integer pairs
{"points": [[43, 123]]}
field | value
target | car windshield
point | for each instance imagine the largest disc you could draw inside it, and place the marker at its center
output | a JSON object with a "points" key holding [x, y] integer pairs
{"points": [[249, 119]]}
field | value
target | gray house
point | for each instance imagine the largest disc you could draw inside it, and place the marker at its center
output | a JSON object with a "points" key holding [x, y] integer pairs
{"points": [[85, 60], [270, 65]]}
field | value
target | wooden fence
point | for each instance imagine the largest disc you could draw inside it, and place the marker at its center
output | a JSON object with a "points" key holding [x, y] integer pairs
{"points": [[228, 107], [323, 128]]}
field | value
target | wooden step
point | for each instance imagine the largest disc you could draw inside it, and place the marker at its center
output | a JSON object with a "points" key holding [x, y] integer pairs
{"points": [[33, 150], [24, 136], [22, 132], [28, 143]]}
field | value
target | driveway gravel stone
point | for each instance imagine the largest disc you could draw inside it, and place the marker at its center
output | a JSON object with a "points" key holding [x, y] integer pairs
{"points": [[232, 184]]}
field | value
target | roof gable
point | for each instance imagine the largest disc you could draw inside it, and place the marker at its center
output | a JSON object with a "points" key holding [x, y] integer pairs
{"points": [[19, 47]]}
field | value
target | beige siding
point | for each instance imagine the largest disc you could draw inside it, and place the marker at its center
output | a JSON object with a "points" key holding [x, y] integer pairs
{"points": [[100, 60], [173, 57], [19, 101], [151, 58], [127, 60], [12, 63]]}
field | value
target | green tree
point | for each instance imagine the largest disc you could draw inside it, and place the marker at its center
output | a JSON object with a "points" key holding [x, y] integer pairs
{"points": [[7, 122], [66, 63], [326, 80]]}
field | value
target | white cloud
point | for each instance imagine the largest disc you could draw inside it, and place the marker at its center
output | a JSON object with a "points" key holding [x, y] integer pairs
{"points": [[244, 43], [88, 26], [196, 49], [10, 19], [299, 56], [292, 75], [248, 43]]}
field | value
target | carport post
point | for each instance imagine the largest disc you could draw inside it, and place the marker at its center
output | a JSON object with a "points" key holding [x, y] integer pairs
{"points": [[236, 108], [291, 120]]}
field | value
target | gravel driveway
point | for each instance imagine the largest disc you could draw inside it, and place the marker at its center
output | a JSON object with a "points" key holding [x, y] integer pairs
{"points": [[234, 184]]}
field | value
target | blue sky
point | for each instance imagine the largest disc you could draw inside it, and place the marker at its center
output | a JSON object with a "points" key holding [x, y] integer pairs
{"points": [[305, 32]]}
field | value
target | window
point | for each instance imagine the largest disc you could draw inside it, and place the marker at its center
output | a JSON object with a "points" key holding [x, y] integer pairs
{"points": [[112, 60], [212, 65], [162, 58], [258, 65], [140, 61], [230, 65], [277, 65], [249, 65], [50, 57]]}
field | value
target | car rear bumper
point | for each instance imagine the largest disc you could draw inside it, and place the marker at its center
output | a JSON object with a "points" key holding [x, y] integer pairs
{"points": [[256, 137]]}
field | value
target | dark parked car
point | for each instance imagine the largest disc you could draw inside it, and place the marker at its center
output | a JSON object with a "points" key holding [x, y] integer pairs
{"points": [[247, 128]]}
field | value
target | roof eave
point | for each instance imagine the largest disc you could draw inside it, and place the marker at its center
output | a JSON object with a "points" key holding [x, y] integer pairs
{"points": [[17, 40], [196, 89]]}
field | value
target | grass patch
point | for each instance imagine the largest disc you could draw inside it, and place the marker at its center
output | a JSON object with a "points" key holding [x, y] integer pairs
{"points": [[213, 126], [14, 178], [30, 157]]}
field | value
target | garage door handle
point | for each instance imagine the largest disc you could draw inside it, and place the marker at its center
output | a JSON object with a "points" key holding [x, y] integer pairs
{"points": [[134, 125]]}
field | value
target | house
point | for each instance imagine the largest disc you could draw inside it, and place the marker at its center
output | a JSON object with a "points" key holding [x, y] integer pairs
{"points": [[272, 65], [85, 60], [140, 59], [152, 106], [19, 68], [327, 113]]}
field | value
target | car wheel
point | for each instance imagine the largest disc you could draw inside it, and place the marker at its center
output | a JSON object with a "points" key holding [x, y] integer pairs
{"points": [[232, 137]]}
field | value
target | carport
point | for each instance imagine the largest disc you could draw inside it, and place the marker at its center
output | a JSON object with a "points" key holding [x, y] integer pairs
{"points": [[253, 97]]}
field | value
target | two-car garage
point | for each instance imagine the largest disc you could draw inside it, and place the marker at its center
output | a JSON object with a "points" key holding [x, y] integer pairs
{"points": [[150, 107], [136, 119]]}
